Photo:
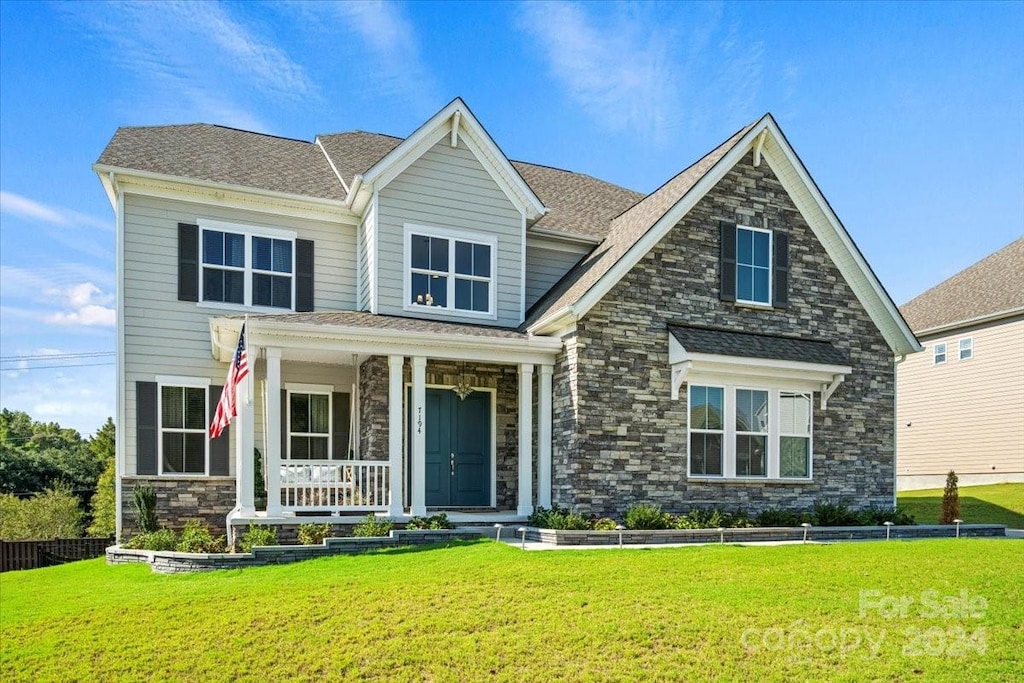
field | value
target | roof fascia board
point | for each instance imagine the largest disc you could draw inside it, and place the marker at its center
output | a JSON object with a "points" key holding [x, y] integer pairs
{"points": [[970, 322], [496, 163], [565, 236], [232, 196], [538, 242], [844, 251], [667, 222]]}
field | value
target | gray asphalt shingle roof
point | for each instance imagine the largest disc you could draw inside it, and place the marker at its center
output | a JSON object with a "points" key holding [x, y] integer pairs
{"points": [[747, 345], [992, 285], [225, 155]]}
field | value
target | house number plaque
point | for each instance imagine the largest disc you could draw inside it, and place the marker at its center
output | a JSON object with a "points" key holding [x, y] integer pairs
{"points": [[419, 419]]}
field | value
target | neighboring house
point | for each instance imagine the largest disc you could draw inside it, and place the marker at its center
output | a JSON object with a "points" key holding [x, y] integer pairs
{"points": [[435, 327], [961, 405]]}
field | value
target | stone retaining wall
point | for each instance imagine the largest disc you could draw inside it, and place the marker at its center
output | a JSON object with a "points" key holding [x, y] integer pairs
{"points": [[816, 534], [168, 562], [207, 499]]}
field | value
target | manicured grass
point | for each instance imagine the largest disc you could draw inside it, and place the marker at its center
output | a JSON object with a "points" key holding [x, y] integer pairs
{"points": [[994, 504], [488, 611]]}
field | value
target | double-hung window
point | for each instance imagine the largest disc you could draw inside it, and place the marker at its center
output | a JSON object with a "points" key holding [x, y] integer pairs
{"points": [[939, 354], [247, 266], [309, 424], [183, 443], [967, 348], [741, 432], [753, 265], [450, 271]]}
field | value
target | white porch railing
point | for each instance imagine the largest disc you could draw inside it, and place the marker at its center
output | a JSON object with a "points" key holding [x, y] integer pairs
{"points": [[335, 485]]}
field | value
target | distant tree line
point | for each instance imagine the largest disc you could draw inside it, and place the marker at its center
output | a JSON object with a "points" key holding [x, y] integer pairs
{"points": [[53, 482]]}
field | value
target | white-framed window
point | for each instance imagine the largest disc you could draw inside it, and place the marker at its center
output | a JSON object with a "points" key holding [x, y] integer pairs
{"points": [[184, 446], [967, 348], [450, 271], [939, 354], [309, 422], [753, 265], [246, 266], [749, 432]]}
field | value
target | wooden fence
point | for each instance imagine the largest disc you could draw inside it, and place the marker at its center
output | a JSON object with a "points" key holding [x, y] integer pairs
{"points": [[33, 554]]}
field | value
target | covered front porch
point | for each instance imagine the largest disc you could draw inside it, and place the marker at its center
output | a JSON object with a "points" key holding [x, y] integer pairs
{"points": [[432, 417]]}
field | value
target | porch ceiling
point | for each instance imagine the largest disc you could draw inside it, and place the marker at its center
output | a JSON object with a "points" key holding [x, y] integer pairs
{"points": [[332, 336]]}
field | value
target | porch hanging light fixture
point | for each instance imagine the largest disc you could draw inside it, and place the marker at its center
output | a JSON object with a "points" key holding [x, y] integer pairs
{"points": [[462, 388]]}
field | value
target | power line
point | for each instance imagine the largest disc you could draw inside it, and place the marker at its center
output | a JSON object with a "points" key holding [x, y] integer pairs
{"points": [[57, 356], [60, 367]]}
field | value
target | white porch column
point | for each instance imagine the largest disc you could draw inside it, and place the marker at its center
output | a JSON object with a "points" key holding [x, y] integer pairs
{"points": [[525, 439], [396, 477], [544, 437], [272, 449], [244, 443], [419, 443]]}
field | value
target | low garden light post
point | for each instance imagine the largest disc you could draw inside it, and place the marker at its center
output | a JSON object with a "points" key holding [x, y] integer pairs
{"points": [[620, 528], [958, 522], [721, 535], [522, 530], [807, 528], [888, 528], [497, 532]]}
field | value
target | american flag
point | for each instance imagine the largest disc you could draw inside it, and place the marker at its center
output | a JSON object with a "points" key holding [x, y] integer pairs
{"points": [[226, 408]]}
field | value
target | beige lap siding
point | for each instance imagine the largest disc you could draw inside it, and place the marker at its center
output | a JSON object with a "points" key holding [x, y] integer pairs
{"points": [[964, 415], [164, 336]]}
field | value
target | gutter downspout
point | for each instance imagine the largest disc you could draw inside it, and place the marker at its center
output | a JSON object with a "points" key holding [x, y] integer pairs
{"points": [[895, 426]]}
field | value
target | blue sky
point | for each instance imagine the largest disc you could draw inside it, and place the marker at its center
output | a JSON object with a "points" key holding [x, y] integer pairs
{"points": [[909, 116]]}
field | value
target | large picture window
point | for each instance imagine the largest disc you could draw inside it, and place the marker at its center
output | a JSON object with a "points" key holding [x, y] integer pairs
{"points": [[247, 268], [741, 432], [450, 271], [183, 443]]}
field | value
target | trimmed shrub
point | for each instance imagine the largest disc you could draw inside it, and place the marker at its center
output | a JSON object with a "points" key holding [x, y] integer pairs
{"points": [[828, 513], [778, 517], [372, 526], [257, 535], [880, 515], [950, 500], [604, 524], [314, 534], [433, 523], [144, 503], [646, 516], [196, 538], [161, 539], [559, 518]]}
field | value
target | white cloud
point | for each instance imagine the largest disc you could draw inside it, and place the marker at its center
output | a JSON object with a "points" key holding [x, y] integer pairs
{"points": [[648, 68], [198, 60], [23, 207], [80, 398], [87, 304]]}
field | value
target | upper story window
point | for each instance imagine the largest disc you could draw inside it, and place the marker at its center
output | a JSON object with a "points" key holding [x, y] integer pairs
{"points": [[450, 271], [753, 265], [247, 267], [939, 354], [749, 433], [967, 348]]}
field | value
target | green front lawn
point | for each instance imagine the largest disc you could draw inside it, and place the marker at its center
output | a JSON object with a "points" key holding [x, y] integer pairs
{"points": [[993, 504], [488, 611]]}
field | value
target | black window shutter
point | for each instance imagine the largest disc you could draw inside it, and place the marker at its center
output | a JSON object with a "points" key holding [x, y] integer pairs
{"points": [[727, 261], [284, 424], [303, 275], [340, 422], [219, 453], [780, 272], [146, 428], [188, 262]]}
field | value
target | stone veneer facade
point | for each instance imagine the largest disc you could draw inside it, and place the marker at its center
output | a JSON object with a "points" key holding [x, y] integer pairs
{"points": [[178, 501], [619, 438], [503, 379]]}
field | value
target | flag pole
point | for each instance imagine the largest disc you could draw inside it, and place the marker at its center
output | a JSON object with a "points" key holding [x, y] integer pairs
{"points": [[252, 362]]}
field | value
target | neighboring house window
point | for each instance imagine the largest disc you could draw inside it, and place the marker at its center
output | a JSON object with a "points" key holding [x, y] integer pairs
{"points": [[247, 269], [966, 348], [732, 433], [450, 271], [753, 265], [183, 442], [939, 354], [309, 425], [707, 430]]}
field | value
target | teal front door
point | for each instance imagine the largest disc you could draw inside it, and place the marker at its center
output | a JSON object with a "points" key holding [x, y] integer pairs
{"points": [[458, 448]]}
